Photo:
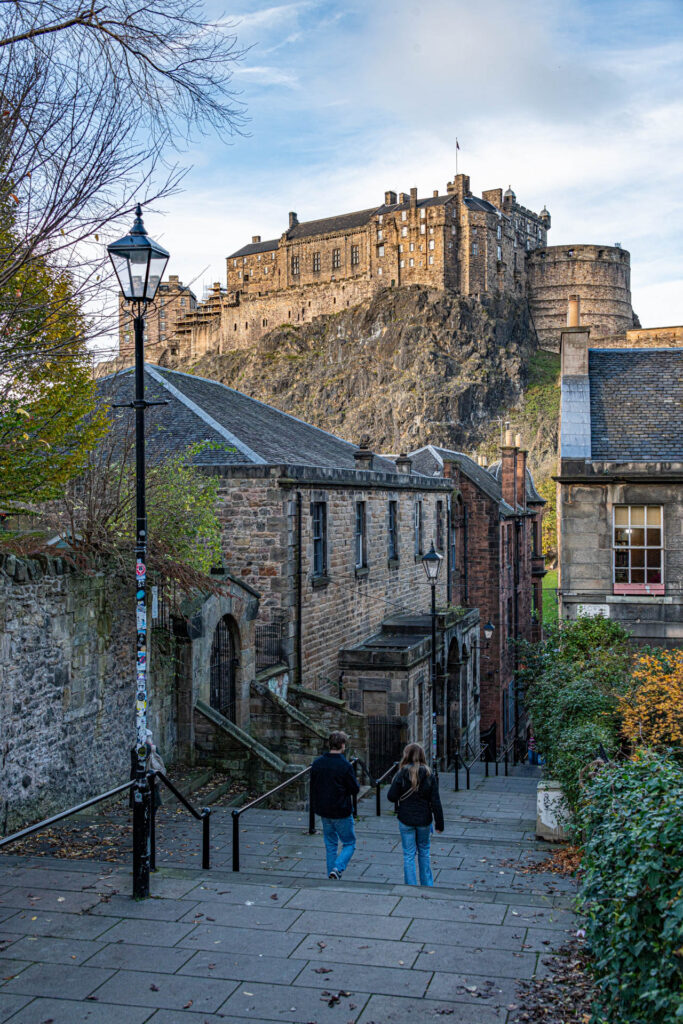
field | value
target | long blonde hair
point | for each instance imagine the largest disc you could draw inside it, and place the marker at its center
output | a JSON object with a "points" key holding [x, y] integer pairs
{"points": [[413, 759]]}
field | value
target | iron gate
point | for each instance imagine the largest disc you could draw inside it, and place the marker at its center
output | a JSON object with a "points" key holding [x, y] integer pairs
{"points": [[385, 741], [223, 665]]}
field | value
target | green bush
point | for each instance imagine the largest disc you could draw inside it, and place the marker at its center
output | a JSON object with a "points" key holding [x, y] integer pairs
{"points": [[631, 819], [572, 681]]}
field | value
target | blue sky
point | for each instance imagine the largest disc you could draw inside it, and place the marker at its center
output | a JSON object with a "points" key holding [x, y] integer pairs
{"points": [[577, 105]]}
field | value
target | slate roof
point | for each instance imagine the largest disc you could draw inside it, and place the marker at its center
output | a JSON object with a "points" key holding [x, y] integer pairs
{"points": [[482, 205], [254, 247], [342, 222], [425, 459], [575, 418], [636, 404], [239, 430]]}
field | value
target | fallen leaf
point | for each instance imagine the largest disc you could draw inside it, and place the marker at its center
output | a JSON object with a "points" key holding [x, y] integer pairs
{"points": [[188, 1004]]}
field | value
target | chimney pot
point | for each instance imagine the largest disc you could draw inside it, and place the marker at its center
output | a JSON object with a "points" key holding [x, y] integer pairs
{"points": [[257, 238], [435, 193], [518, 440], [509, 442]]}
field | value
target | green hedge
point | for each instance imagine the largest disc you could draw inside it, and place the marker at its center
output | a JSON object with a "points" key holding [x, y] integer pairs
{"points": [[631, 820]]}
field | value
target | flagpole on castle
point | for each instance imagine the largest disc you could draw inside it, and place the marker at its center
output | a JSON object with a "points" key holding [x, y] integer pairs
{"points": [[457, 147]]}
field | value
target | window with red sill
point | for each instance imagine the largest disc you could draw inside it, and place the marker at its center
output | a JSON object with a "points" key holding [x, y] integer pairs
{"points": [[638, 549]]}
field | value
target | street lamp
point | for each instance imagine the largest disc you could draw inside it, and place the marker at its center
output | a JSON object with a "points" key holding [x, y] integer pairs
{"points": [[488, 631], [431, 563], [139, 264]]}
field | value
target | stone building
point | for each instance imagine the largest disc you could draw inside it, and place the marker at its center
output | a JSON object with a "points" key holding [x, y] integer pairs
{"points": [[174, 301], [331, 537], [495, 563], [600, 275], [453, 240], [620, 486]]}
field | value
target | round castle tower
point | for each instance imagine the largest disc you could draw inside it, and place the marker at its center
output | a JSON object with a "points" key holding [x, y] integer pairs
{"points": [[599, 274]]}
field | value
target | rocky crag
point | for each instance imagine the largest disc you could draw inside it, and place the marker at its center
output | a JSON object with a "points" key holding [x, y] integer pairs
{"points": [[410, 367]]}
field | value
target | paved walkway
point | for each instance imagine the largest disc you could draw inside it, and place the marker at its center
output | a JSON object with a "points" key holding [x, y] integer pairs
{"points": [[280, 942]]}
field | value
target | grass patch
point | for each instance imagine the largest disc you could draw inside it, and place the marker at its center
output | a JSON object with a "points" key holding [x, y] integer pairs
{"points": [[550, 609]]}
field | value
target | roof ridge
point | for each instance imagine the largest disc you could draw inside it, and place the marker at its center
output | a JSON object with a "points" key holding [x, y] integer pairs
{"points": [[202, 414]]}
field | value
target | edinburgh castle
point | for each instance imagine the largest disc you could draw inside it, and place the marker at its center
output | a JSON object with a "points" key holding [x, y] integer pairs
{"points": [[452, 241]]}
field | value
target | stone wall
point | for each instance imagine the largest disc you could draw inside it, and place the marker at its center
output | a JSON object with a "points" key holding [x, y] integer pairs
{"points": [[585, 516], [642, 337], [599, 275], [67, 667]]}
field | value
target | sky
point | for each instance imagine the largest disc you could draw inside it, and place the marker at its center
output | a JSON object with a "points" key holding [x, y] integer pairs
{"points": [[578, 105]]}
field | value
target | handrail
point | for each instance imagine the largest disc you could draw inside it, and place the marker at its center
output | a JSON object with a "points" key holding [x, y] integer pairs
{"points": [[238, 811], [378, 783], [65, 814], [505, 751], [204, 816], [467, 765]]}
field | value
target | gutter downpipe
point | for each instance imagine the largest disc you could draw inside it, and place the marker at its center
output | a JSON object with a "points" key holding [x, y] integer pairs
{"points": [[299, 590]]}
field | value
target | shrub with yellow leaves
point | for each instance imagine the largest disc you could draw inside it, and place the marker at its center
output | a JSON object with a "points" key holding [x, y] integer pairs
{"points": [[652, 709]]}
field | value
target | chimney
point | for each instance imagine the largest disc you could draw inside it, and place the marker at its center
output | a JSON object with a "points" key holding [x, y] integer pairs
{"points": [[293, 219], [389, 198], [403, 197], [403, 463], [174, 281], [363, 456], [508, 470], [574, 311], [521, 472], [574, 351], [435, 193], [413, 198], [257, 238]]}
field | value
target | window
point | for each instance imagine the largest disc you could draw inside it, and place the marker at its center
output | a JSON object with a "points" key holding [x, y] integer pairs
{"points": [[439, 526], [316, 261], [380, 236], [412, 246], [259, 258], [355, 256], [431, 243], [453, 229], [182, 302], [411, 263], [423, 213], [380, 218], [638, 549], [400, 248], [393, 531], [336, 259], [379, 272], [403, 263], [234, 263], [360, 536], [422, 229], [319, 509], [404, 214], [380, 251], [419, 529], [295, 265], [272, 255], [404, 232], [431, 260], [499, 252], [499, 232]]}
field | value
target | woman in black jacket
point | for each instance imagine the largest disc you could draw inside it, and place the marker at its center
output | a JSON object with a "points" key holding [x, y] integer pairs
{"points": [[415, 791]]}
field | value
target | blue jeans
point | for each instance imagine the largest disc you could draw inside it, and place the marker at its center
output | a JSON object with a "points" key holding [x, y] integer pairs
{"points": [[415, 840], [335, 831]]}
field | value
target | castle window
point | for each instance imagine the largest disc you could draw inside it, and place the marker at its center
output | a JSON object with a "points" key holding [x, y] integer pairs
{"points": [[259, 257], [431, 260], [422, 229], [474, 231], [316, 261], [239, 274], [234, 327], [265, 270], [431, 231], [336, 259], [244, 260], [272, 255], [404, 232], [412, 246], [431, 243], [411, 263], [380, 251], [400, 248], [264, 322], [403, 263], [404, 214], [355, 256], [499, 252], [234, 263], [380, 218], [450, 245], [453, 229], [182, 302], [475, 249], [379, 271], [380, 236], [499, 232], [423, 213], [295, 265]]}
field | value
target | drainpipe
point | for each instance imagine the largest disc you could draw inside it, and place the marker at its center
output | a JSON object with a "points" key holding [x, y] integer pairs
{"points": [[299, 590], [449, 567], [466, 592], [515, 610]]}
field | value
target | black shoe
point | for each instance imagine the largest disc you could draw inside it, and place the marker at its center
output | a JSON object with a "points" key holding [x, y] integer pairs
{"points": [[334, 874]]}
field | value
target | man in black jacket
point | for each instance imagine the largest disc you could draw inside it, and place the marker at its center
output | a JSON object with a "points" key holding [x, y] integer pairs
{"points": [[333, 784]]}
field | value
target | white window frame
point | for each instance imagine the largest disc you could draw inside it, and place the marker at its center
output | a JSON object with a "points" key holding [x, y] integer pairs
{"points": [[627, 530]]}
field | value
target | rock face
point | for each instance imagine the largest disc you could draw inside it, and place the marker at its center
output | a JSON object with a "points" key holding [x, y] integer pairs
{"points": [[410, 367]]}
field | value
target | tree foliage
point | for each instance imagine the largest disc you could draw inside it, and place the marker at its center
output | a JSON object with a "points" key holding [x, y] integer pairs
{"points": [[548, 490], [652, 709]]}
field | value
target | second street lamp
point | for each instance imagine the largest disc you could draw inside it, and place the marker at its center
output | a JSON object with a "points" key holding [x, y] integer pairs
{"points": [[431, 563], [139, 264]]}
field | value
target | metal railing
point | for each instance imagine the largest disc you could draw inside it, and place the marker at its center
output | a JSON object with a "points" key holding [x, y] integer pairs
{"points": [[269, 640], [378, 783], [482, 754], [39, 826], [504, 753], [204, 816]]}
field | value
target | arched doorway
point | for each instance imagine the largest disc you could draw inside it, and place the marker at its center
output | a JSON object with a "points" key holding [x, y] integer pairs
{"points": [[223, 691]]}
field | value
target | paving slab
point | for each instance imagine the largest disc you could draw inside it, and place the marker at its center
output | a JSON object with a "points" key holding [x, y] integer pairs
{"points": [[494, 963], [45, 949], [125, 956], [400, 1010], [355, 925], [380, 952], [10, 1004], [388, 980], [240, 940], [170, 991], [58, 980], [68, 1011], [241, 967], [294, 1004]]}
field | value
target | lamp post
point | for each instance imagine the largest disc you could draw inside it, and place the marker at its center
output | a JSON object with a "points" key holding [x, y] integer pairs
{"points": [[431, 563], [139, 264]]}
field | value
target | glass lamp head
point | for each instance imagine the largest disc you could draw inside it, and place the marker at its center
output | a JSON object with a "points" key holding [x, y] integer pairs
{"points": [[432, 563], [139, 262]]}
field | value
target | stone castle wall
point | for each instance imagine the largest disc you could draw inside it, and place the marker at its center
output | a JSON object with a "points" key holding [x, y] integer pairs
{"points": [[653, 337], [67, 664], [599, 275]]}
